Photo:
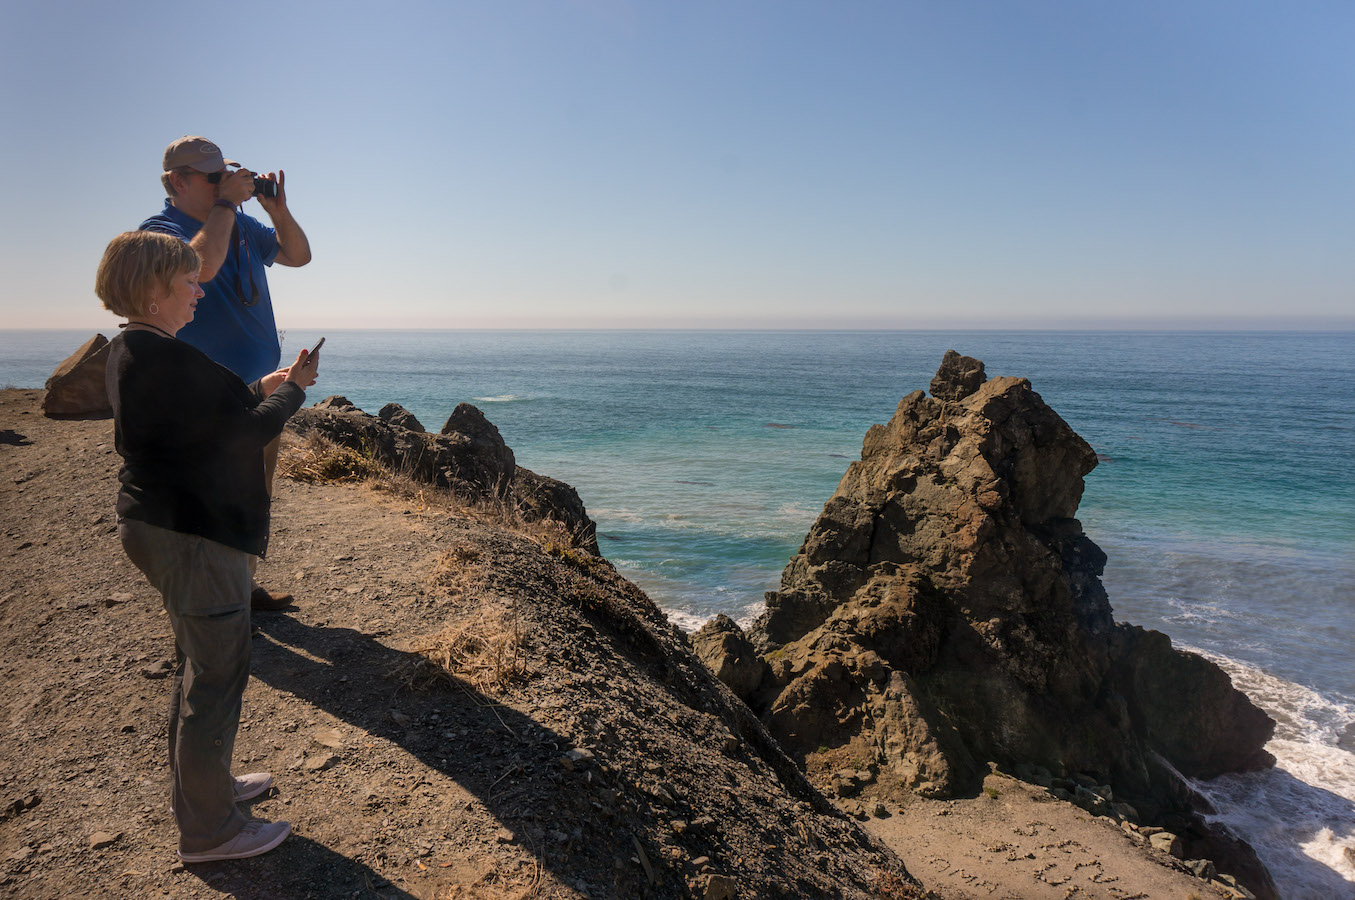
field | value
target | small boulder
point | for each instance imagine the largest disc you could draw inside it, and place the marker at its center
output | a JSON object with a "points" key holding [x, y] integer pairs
{"points": [[845, 783], [1091, 801], [721, 645], [1032, 774], [18, 805], [76, 387], [1167, 843], [721, 887], [576, 760], [320, 762], [157, 670], [101, 839], [1202, 869]]}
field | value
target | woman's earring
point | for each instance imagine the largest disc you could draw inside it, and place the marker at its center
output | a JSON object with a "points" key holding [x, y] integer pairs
{"points": [[154, 310]]}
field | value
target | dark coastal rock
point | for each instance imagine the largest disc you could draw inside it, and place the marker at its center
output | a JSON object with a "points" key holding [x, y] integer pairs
{"points": [[950, 557], [397, 415], [479, 441], [337, 401], [721, 645], [76, 388], [1185, 706], [469, 457], [540, 497]]}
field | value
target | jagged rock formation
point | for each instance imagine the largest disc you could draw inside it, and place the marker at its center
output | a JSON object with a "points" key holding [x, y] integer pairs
{"points": [[947, 607], [468, 456], [946, 610]]}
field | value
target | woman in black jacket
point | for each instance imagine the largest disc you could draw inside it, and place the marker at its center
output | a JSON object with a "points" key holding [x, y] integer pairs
{"points": [[192, 509]]}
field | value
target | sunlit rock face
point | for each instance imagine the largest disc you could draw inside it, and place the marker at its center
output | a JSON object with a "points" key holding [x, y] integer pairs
{"points": [[946, 608]]}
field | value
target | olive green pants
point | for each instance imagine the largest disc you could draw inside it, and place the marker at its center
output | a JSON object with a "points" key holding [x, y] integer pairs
{"points": [[205, 586]]}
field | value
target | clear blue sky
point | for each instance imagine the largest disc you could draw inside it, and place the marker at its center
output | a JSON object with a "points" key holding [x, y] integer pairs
{"points": [[766, 163]]}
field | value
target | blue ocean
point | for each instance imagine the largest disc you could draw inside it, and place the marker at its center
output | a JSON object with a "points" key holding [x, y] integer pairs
{"points": [[1225, 496]]}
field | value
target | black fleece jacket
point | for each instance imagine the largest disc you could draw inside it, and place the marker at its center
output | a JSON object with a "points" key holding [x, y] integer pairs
{"points": [[191, 435]]}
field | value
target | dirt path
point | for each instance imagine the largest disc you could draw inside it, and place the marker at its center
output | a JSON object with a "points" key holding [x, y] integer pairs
{"points": [[85, 697]]}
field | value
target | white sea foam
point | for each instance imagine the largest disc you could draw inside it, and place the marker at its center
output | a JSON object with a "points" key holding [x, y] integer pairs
{"points": [[1299, 816], [690, 621], [687, 621], [1302, 715], [796, 512], [502, 398], [605, 514]]}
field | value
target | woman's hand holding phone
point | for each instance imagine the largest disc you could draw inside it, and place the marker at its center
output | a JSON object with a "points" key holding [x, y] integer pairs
{"points": [[307, 366]]}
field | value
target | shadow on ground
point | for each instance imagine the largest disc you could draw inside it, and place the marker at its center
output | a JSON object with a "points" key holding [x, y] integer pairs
{"points": [[301, 868], [506, 760]]}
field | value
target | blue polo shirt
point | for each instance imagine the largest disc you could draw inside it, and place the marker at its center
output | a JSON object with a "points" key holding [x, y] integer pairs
{"points": [[234, 322]]}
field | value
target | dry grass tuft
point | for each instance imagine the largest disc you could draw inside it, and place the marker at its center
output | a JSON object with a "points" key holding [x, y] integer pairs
{"points": [[485, 650], [459, 570], [499, 885], [318, 461]]}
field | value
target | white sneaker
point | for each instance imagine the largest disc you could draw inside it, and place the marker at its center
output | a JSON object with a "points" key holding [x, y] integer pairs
{"points": [[256, 837], [247, 787]]}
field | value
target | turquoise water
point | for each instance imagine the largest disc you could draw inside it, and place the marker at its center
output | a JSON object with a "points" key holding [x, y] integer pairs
{"points": [[1225, 497]]}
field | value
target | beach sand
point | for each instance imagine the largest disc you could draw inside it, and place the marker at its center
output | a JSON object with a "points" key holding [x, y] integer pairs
{"points": [[1015, 841]]}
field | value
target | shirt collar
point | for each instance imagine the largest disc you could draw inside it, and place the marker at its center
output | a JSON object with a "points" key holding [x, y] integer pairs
{"points": [[179, 215]]}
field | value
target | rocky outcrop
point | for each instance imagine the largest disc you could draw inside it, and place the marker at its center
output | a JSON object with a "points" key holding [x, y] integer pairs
{"points": [[946, 609], [396, 414], [76, 388], [958, 377], [469, 457], [722, 647]]}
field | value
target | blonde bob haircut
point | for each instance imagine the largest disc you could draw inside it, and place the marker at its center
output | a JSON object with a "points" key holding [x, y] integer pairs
{"points": [[139, 266]]}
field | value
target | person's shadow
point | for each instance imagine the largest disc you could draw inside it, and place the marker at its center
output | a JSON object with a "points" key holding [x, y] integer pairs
{"points": [[495, 753], [300, 868]]}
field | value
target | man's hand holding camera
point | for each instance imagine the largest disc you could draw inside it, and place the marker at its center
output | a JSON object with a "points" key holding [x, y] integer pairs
{"points": [[237, 187], [270, 192], [293, 247]]}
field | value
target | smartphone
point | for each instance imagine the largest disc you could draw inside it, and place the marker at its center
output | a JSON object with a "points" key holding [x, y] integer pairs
{"points": [[318, 344]]}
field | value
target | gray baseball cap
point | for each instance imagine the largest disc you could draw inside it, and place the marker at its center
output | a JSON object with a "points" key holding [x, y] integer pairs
{"points": [[195, 153]]}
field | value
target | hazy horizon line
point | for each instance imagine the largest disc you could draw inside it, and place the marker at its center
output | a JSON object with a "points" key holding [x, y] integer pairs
{"points": [[1335, 326]]}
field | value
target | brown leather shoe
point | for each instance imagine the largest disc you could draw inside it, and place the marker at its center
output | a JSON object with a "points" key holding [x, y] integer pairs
{"points": [[264, 599]]}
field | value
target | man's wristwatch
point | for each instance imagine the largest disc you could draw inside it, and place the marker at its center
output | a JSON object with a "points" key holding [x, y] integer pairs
{"points": [[222, 201]]}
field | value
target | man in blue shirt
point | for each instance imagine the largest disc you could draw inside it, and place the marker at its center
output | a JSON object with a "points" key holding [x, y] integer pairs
{"points": [[234, 322]]}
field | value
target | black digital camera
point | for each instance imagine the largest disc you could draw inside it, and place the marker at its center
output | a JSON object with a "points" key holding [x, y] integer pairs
{"points": [[265, 188]]}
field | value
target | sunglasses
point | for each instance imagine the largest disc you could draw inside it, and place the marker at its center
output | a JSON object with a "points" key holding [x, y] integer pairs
{"points": [[214, 177]]}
